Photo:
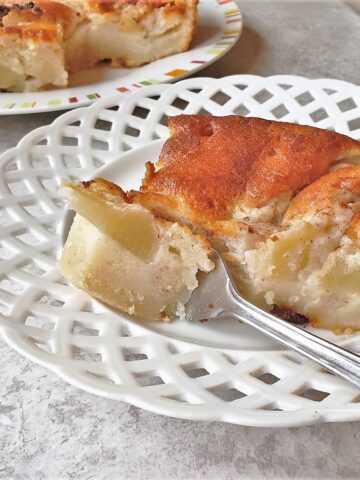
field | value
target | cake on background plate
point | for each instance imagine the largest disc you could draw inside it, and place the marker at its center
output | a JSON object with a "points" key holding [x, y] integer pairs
{"points": [[42, 41]]}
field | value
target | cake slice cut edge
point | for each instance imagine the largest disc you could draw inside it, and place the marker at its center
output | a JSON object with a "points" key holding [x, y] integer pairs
{"points": [[31, 59], [151, 283], [32, 38], [131, 34]]}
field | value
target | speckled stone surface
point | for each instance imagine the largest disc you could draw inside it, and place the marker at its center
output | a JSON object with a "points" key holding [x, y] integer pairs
{"points": [[51, 430]]}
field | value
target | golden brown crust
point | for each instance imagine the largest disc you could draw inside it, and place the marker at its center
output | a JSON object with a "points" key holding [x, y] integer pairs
{"points": [[211, 166], [102, 188], [43, 11], [325, 193], [43, 21]]}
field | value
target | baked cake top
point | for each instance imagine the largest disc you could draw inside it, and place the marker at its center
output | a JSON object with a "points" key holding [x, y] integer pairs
{"points": [[215, 168]]}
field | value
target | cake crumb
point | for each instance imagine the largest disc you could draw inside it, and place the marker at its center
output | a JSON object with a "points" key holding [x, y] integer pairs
{"points": [[269, 297]]}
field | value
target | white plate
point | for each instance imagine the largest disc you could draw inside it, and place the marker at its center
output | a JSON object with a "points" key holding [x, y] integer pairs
{"points": [[219, 28], [223, 371]]}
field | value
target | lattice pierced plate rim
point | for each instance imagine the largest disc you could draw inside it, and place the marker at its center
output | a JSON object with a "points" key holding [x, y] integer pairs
{"points": [[46, 321]]}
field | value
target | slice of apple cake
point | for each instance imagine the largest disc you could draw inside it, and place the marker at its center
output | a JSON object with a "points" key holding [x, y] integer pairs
{"points": [[279, 201]]}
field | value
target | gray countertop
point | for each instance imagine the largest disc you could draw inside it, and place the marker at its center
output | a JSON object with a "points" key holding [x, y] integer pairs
{"points": [[51, 430]]}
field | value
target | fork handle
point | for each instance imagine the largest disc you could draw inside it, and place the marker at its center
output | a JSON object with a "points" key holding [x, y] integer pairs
{"points": [[332, 357]]}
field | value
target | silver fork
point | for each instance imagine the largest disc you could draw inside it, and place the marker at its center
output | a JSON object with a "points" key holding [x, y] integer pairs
{"points": [[216, 297]]}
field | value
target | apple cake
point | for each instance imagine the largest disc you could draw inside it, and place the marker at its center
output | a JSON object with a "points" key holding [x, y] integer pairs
{"points": [[279, 201], [42, 41]]}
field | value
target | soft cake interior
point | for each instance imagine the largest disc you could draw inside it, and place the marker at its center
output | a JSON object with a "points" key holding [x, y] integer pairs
{"points": [[311, 262], [124, 256], [136, 36], [27, 64]]}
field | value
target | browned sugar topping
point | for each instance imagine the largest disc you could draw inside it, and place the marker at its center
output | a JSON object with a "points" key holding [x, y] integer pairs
{"points": [[6, 9]]}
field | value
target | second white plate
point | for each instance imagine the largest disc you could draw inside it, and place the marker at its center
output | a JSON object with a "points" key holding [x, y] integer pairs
{"points": [[219, 28]]}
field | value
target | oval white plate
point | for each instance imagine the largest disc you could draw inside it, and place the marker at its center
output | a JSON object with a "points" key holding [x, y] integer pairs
{"points": [[219, 371], [219, 28]]}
